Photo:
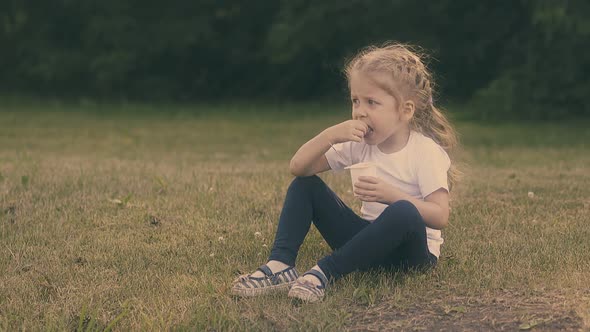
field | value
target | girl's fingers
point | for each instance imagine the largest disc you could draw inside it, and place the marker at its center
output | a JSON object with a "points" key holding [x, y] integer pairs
{"points": [[366, 198], [359, 132], [368, 179], [364, 186], [363, 192], [362, 126], [365, 130]]}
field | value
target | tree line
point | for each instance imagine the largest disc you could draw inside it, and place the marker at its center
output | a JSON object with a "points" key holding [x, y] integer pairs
{"points": [[515, 58]]}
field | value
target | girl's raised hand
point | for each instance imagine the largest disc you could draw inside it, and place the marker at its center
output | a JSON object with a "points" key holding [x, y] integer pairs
{"points": [[351, 130]]}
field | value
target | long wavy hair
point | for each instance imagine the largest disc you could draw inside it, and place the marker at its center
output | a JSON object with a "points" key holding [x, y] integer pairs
{"points": [[410, 80]]}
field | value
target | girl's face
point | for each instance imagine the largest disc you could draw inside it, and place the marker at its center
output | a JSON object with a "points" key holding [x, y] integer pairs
{"points": [[388, 124]]}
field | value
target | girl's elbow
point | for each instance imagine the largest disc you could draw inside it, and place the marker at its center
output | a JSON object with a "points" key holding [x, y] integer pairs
{"points": [[444, 220], [438, 224], [294, 168]]}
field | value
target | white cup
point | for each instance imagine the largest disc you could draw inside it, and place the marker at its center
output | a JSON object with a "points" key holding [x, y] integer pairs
{"points": [[361, 169]]}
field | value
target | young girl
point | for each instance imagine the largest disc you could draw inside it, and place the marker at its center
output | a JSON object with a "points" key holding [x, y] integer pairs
{"points": [[396, 126]]}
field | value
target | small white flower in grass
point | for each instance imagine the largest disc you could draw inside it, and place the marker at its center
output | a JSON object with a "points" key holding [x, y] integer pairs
{"points": [[211, 255], [531, 194], [221, 239], [257, 234], [264, 245]]}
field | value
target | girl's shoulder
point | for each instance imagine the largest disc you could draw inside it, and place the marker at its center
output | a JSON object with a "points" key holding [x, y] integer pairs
{"points": [[420, 141], [423, 146]]}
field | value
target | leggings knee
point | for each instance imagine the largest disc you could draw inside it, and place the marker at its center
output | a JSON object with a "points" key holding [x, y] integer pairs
{"points": [[302, 183], [402, 211], [405, 207]]}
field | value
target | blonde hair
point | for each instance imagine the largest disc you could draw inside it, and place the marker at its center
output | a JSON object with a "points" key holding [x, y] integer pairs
{"points": [[410, 80]]}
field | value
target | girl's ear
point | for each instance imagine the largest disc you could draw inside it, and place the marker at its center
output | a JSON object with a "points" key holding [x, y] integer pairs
{"points": [[408, 109]]}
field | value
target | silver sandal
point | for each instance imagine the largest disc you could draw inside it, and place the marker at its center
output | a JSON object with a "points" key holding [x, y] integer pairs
{"points": [[306, 290], [246, 285]]}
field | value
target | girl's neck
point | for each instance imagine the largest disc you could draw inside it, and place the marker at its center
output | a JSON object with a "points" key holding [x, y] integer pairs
{"points": [[396, 142]]}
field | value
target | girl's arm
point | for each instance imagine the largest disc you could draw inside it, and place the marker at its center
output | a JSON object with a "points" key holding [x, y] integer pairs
{"points": [[434, 209], [310, 159]]}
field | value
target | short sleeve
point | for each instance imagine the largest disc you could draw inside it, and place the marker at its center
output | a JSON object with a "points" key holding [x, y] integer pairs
{"points": [[432, 169], [342, 158]]}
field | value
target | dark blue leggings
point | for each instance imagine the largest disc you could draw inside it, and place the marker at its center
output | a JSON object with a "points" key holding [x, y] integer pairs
{"points": [[396, 239]]}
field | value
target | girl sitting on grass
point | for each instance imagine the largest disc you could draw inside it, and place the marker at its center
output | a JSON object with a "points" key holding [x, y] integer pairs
{"points": [[396, 126]]}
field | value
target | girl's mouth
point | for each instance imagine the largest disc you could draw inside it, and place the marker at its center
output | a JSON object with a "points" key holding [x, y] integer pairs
{"points": [[369, 132]]}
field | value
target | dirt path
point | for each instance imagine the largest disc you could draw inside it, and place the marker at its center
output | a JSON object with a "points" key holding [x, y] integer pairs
{"points": [[508, 311]]}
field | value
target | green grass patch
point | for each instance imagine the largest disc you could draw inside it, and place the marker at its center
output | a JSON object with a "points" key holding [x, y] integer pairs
{"points": [[134, 217]]}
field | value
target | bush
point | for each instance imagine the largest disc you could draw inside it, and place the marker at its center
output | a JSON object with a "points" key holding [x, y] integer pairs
{"points": [[545, 69]]}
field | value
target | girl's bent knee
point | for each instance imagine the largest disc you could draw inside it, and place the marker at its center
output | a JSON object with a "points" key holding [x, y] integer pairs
{"points": [[403, 205], [404, 209], [305, 182]]}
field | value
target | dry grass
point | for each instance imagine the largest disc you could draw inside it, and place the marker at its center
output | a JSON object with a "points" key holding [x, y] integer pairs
{"points": [[140, 218]]}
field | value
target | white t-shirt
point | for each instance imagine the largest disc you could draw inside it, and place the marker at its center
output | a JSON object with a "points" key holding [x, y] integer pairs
{"points": [[418, 169]]}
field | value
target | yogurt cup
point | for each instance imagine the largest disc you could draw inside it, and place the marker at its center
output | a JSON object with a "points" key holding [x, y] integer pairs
{"points": [[361, 169]]}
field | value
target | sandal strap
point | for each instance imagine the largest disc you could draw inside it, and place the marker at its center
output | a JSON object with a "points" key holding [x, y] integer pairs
{"points": [[289, 274], [266, 270], [320, 276]]}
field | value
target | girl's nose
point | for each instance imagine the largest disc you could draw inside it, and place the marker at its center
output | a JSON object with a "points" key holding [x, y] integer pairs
{"points": [[358, 113]]}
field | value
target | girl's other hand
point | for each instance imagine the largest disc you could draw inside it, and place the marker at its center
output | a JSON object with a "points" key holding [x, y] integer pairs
{"points": [[372, 189], [351, 130]]}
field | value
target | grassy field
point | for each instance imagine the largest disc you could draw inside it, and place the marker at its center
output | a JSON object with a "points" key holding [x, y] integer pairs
{"points": [[133, 217]]}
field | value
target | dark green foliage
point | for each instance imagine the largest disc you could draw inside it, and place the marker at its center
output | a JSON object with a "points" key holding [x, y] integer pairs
{"points": [[544, 72], [522, 58]]}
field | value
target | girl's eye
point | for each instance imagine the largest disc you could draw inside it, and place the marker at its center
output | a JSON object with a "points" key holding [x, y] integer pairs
{"points": [[372, 102], [355, 101]]}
